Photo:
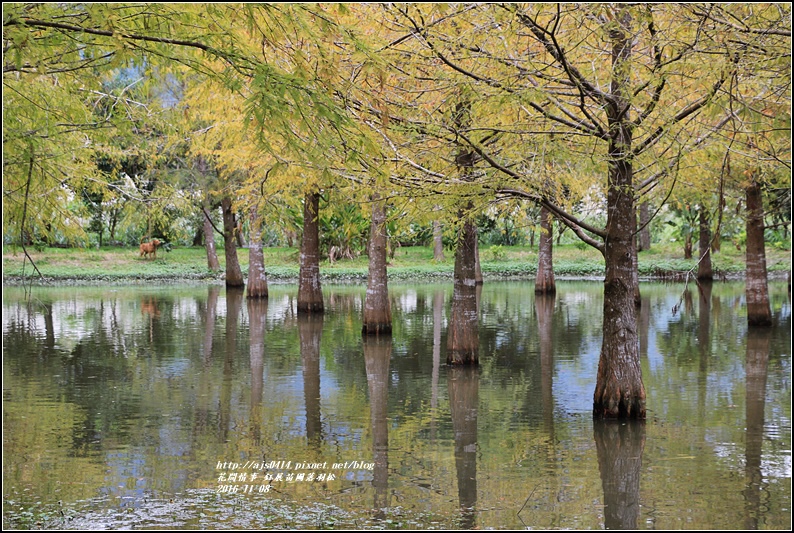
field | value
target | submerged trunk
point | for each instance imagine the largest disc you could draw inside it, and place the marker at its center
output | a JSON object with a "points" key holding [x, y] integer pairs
{"points": [[377, 309], [544, 281], [234, 275], [310, 294], [619, 391], [257, 278], [209, 241], [705, 272], [757, 291], [463, 340]]}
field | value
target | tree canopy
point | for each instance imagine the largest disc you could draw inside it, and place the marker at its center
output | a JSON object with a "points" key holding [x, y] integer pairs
{"points": [[110, 103]]}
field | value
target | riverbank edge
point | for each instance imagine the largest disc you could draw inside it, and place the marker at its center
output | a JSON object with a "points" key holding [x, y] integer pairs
{"points": [[285, 276]]}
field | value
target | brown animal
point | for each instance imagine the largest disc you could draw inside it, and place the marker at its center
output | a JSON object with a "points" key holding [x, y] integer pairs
{"points": [[150, 249]]}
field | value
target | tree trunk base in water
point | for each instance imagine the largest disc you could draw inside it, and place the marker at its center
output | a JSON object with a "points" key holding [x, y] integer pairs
{"points": [[624, 408], [463, 357], [310, 307], [374, 329], [260, 294]]}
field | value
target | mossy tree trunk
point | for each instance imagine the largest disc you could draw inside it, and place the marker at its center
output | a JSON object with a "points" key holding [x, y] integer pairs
{"points": [[619, 391], [463, 340], [209, 238], [756, 288], [310, 293], [377, 308], [705, 270], [234, 274], [257, 278], [544, 281]]}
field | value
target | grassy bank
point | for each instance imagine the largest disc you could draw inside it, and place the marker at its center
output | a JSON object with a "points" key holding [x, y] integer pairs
{"points": [[409, 263]]}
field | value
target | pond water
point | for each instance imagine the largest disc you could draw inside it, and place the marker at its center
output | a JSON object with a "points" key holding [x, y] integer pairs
{"points": [[189, 407]]}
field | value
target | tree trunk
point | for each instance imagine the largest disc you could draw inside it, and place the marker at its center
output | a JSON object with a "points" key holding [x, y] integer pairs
{"points": [[645, 227], [544, 281], [209, 241], [234, 275], [377, 308], [757, 291], [688, 246], [619, 391], [705, 272], [310, 293], [198, 237], [438, 242], [257, 278], [463, 342], [377, 356]]}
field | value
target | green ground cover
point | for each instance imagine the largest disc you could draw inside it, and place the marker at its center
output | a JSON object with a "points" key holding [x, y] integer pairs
{"points": [[113, 264]]}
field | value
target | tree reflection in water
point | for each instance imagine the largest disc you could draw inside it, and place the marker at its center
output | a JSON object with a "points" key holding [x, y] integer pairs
{"points": [[464, 386], [310, 332], [619, 445], [257, 312], [377, 356], [757, 362]]}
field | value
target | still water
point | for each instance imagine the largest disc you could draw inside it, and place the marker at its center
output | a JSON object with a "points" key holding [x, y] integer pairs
{"points": [[190, 407]]}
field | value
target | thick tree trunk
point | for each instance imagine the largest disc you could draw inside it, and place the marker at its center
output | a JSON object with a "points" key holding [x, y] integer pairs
{"points": [[310, 293], [464, 387], [688, 246], [619, 391], [377, 356], [209, 240], [438, 242], [257, 278], [619, 447], [463, 342], [310, 332], [756, 290], [377, 308], [705, 271], [234, 274], [544, 281]]}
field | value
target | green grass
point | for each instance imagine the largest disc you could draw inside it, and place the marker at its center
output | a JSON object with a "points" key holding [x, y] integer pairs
{"points": [[409, 263]]}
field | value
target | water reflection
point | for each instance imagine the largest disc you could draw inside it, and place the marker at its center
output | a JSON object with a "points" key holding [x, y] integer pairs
{"points": [[619, 446], [757, 362], [464, 397], [310, 331], [544, 309], [377, 355], [257, 313], [115, 399]]}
